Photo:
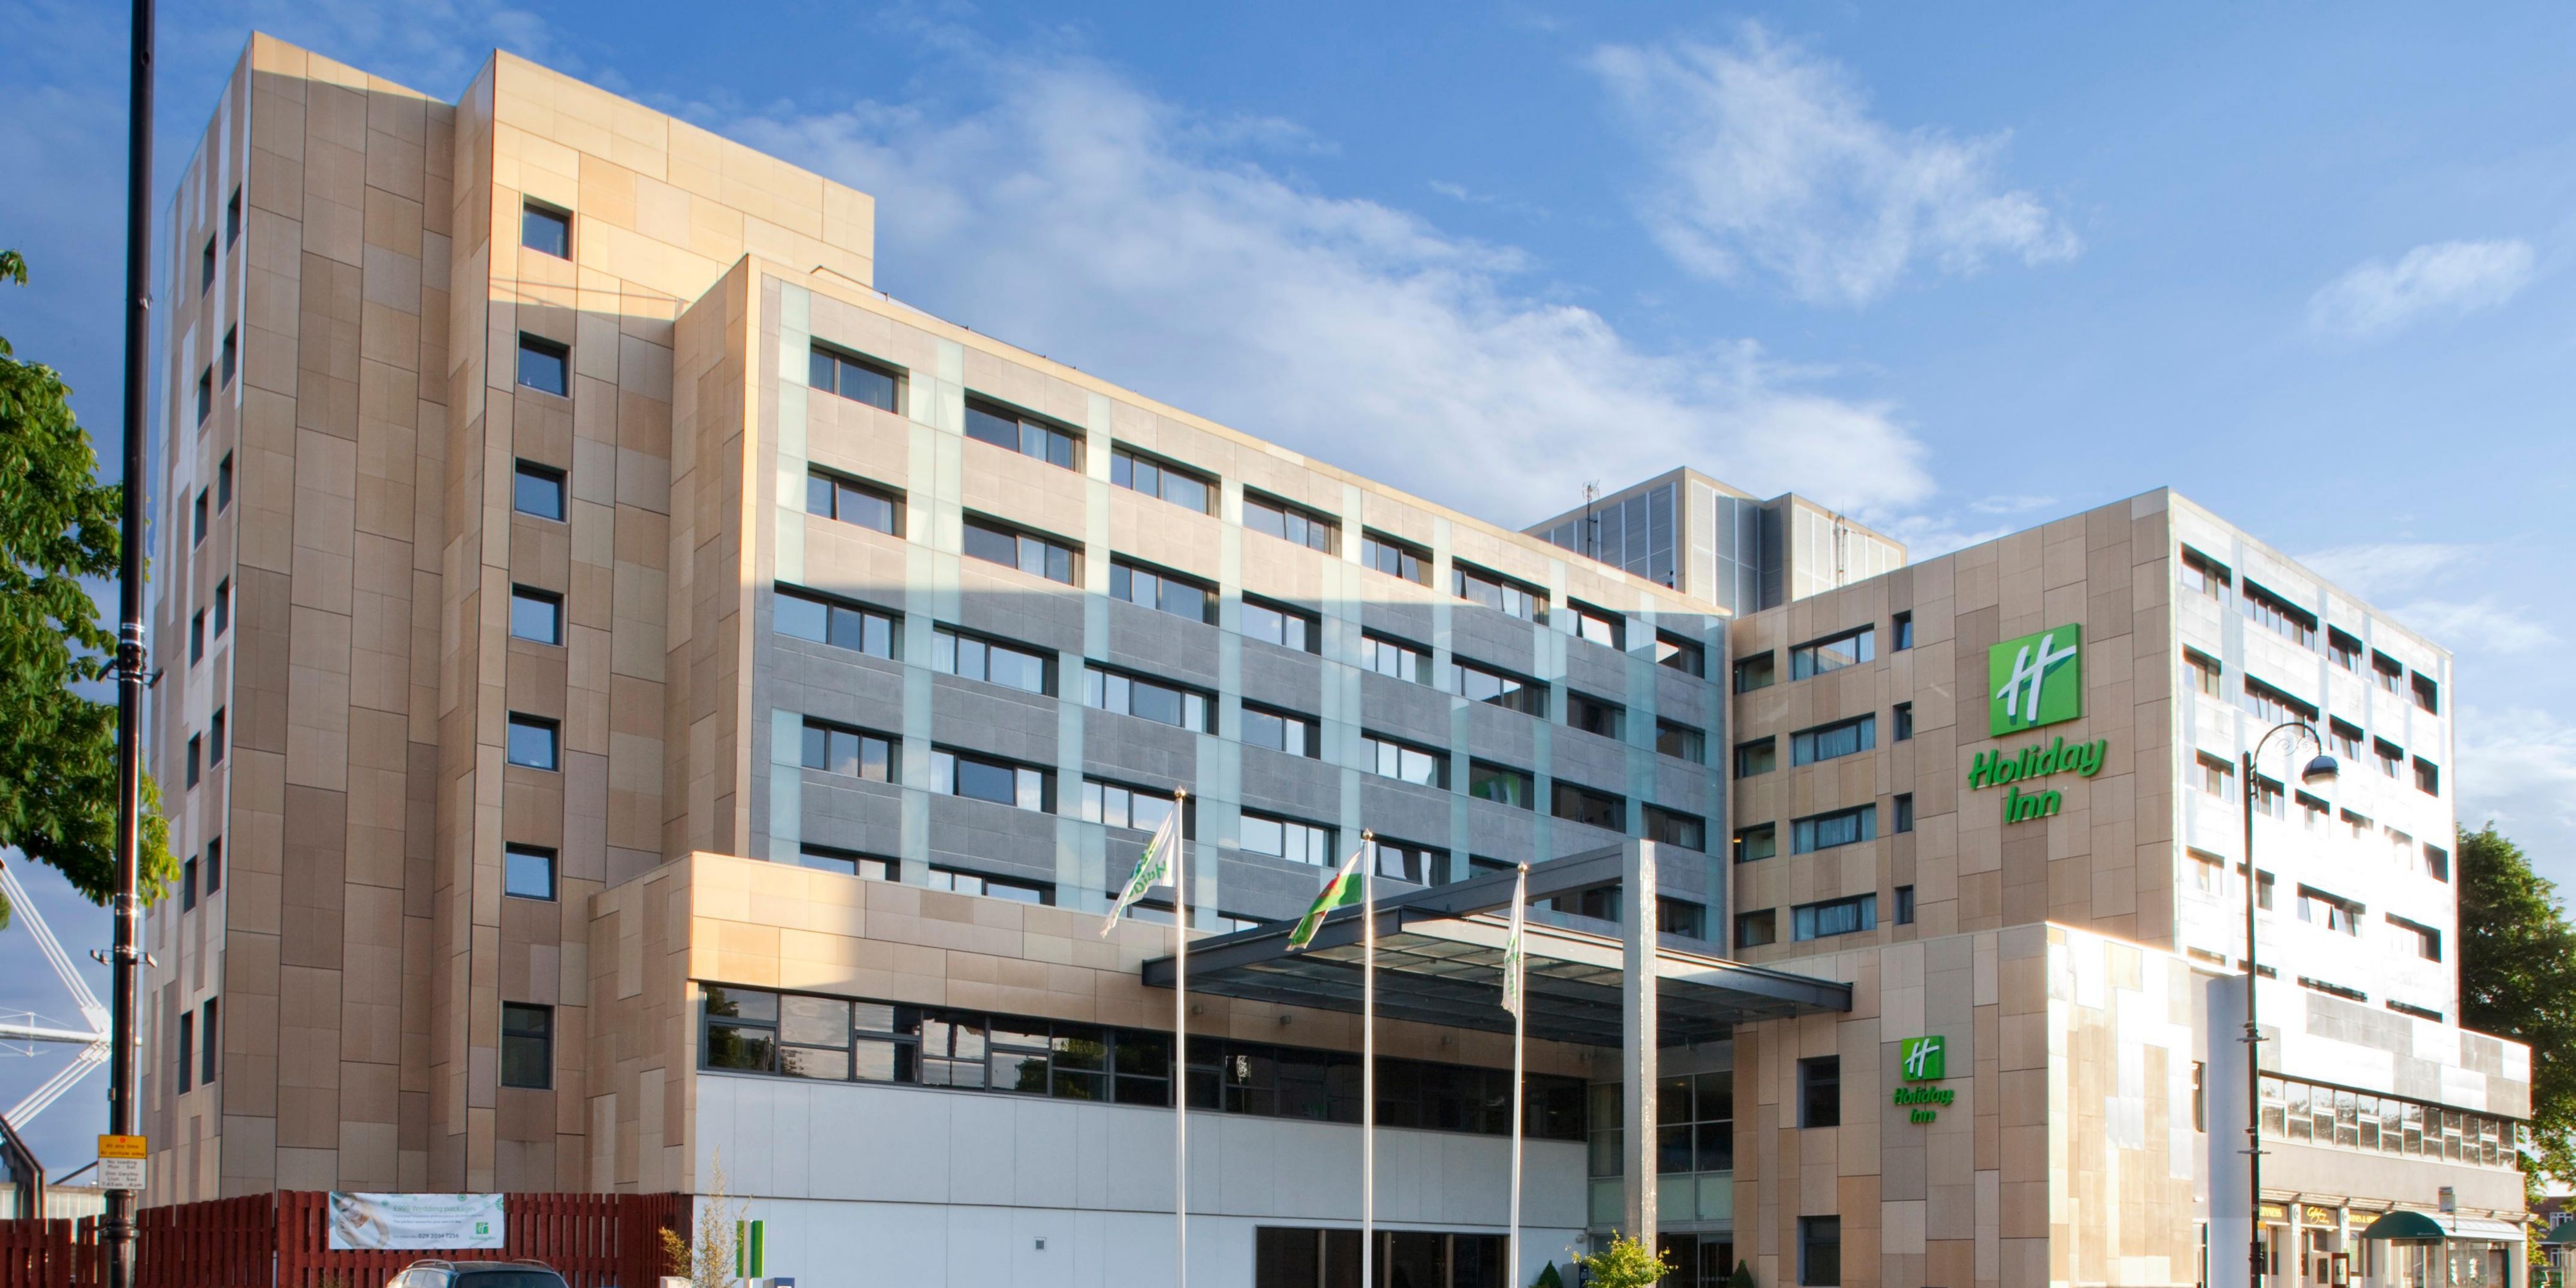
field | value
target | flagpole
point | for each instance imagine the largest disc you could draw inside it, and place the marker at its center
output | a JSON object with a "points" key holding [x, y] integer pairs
{"points": [[1180, 1041], [1520, 1031], [1368, 1060]]}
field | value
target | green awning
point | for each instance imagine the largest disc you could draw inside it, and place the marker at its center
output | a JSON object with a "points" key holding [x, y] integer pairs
{"points": [[2405, 1223], [2563, 1232]]}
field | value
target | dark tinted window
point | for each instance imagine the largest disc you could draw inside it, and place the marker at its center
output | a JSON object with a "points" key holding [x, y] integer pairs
{"points": [[550, 231], [852, 378], [544, 365]]}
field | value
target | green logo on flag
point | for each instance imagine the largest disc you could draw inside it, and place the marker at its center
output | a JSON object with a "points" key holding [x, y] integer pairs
{"points": [[1922, 1059], [2035, 680]]}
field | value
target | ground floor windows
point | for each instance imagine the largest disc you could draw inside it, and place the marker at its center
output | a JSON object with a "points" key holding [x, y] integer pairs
{"points": [[2312, 1114], [1820, 1251], [1303, 1257], [1698, 1260]]}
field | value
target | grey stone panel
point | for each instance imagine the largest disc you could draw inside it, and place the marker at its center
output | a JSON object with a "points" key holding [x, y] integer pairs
{"points": [[1411, 712], [1279, 677], [1003, 604], [1136, 750], [1683, 787], [1278, 783], [1161, 645], [1504, 737], [1575, 838], [1405, 811], [851, 814], [1596, 670], [1410, 622], [998, 839], [1501, 832], [1479, 632], [975, 716], [1680, 697], [1593, 761], [1259, 886], [834, 684]]}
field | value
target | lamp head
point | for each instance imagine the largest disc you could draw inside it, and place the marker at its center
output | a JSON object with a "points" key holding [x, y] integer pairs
{"points": [[2322, 769]]}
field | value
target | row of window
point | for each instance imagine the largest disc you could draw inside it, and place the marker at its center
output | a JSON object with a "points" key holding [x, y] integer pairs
{"points": [[2272, 705], [208, 380], [2216, 777], [1823, 919], [2203, 575], [1822, 656], [2310, 1113], [2323, 909]]}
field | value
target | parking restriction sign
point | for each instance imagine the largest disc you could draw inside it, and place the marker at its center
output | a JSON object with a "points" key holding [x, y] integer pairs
{"points": [[120, 1162]]}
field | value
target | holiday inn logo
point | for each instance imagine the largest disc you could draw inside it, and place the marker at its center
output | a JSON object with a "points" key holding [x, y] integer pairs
{"points": [[1922, 1059], [2035, 680]]}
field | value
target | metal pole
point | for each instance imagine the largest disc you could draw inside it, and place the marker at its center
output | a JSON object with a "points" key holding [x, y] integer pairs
{"points": [[1368, 1060], [1520, 1035], [1180, 1042], [117, 1230], [2254, 1258]]}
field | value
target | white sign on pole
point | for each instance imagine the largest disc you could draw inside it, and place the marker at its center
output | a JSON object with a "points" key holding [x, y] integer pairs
{"points": [[121, 1162], [415, 1222]]}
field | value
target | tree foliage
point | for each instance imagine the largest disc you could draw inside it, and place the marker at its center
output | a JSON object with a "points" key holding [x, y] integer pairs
{"points": [[2518, 980], [1624, 1264], [58, 525]]}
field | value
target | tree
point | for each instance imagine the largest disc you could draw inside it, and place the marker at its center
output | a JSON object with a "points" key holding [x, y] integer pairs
{"points": [[2518, 981], [58, 525], [1624, 1264], [708, 1260]]}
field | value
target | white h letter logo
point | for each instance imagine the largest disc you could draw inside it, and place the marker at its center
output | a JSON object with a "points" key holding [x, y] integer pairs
{"points": [[2027, 675]]}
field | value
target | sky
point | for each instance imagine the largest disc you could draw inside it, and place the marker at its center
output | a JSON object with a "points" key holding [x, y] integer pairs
{"points": [[1955, 277]]}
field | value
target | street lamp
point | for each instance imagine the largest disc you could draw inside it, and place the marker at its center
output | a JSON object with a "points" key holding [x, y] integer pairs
{"points": [[2320, 769]]}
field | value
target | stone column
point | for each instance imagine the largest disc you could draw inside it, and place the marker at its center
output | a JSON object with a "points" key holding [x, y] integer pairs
{"points": [[1637, 1038]]}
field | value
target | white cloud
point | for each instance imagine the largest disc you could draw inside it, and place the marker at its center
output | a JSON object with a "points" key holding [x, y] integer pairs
{"points": [[2441, 280], [1767, 155], [2480, 626], [1077, 215], [2518, 767], [2375, 570]]}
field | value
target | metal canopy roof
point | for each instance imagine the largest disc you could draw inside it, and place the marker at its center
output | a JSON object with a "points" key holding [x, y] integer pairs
{"points": [[1440, 961]]}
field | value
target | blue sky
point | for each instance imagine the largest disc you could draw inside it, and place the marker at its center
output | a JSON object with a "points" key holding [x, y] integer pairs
{"points": [[1959, 278]]}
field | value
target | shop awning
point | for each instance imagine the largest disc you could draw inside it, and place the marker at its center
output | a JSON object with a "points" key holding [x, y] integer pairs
{"points": [[2563, 1232], [2407, 1223], [1440, 961]]}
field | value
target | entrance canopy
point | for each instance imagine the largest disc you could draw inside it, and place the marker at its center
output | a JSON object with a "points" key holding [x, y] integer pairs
{"points": [[1440, 961]]}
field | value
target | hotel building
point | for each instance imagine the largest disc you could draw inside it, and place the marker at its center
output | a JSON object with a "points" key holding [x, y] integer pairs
{"points": [[638, 701]]}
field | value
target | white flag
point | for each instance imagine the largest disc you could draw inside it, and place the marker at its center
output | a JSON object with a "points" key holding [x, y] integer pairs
{"points": [[1513, 962], [1153, 867]]}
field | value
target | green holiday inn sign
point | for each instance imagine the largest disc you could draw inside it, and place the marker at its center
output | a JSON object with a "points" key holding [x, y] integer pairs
{"points": [[2032, 682], [1921, 1061]]}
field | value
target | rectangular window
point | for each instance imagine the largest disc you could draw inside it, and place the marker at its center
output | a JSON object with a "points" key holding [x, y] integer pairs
{"points": [[805, 615], [210, 1045], [1392, 657], [2273, 706], [2428, 695], [1820, 1251], [2279, 616], [1166, 592], [2358, 826], [1500, 784], [2428, 777], [2206, 673], [834, 496], [1900, 631], [1833, 653], [545, 230], [1185, 488], [1834, 917], [196, 750], [856, 753], [1820, 1092], [528, 872], [538, 490], [1118, 805], [1833, 741], [1282, 838], [1594, 809], [233, 219], [1279, 624], [2314, 814], [977, 657], [1290, 522], [536, 615], [1510, 692], [1403, 762], [958, 773], [1758, 842], [206, 268], [1681, 742], [1495, 591], [2208, 872], [1280, 730], [232, 356], [1838, 828], [187, 1048], [849, 863], [2343, 650], [858, 379], [1405, 861], [197, 638], [1014, 430], [1672, 827], [1030, 553], [527, 1045], [2212, 775], [188, 886], [2388, 755], [224, 483], [1681, 917], [2318, 908], [197, 522], [1759, 756], [1759, 671], [214, 868], [2387, 671], [2268, 798], [1905, 905], [215, 739], [544, 365], [2202, 575], [535, 742], [205, 395], [1755, 929], [1594, 715], [2427, 940], [1395, 558], [2346, 741], [1599, 625], [1037, 892], [1145, 699], [1685, 656], [1904, 813], [2437, 863], [1902, 717]]}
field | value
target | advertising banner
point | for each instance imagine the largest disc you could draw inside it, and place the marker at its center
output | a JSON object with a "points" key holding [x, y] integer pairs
{"points": [[414, 1222]]}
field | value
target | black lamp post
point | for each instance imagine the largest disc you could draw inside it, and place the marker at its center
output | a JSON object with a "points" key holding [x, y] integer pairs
{"points": [[2320, 769]]}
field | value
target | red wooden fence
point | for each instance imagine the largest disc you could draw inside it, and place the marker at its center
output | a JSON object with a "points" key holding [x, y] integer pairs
{"points": [[37, 1254]]}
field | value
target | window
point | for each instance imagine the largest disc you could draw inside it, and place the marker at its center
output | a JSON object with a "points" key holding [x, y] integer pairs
{"points": [[1395, 558], [196, 750], [1282, 838], [858, 379], [215, 739], [224, 483], [233, 219], [2357, 825], [1834, 917], [1032, 554], [1759, 671], [2268, 800], [1833, 653], [205, 394], [2388, 754], [2346, 740], [2318, 908], [231, 359], [2428, 941], [850, 501], [1405, 861], [2279, 616], [1672, 827], [2208, 872], [1281, 625], [2428, 777], [188, 886], [2212, 775], [1280, 731], [2437, 863], [1820, 1092], [840, 749], [1901, 717], [1013, 430], [1403, 762], [1758, 842], [1685, 656], [2314, 814], [1290, 522], [1187, 489], [962, 882], [1760, 756], [1162, 591], [187, 1047], [534, 742], [206, 268], [1903, 812], [1834, 741], [197, 522], [545, 230], [802, 614], [1498, 592], [214, 868], [1595, 809], [1118, 805], [1389, 656], [2343, 650], [2428, 695], [978, 658], [1510, 692], [2203, 575], [528, 872], [1593, 715], [536, 615], [825, 858], [1820, 1251], [223, 607], [1904, 905], [1755, 929], [1838, 828], [1900, 631], [209, 1044], [527, 1045], [197, 638], [544, 365], [1500, 784], [2272, 706], [1681, 742], [959, 773], [538, 490], [1680, 917], [1145, 699], [2387, 671], [2205, 673], [1599, 625]]}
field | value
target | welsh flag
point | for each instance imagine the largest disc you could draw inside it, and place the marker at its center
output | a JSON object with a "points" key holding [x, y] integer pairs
{"points": [[1153, 868], [1515, 962], [1345, 889]]}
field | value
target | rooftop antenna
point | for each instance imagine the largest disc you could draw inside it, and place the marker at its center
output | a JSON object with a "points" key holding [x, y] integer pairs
{"points": [[1591, 521]]}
